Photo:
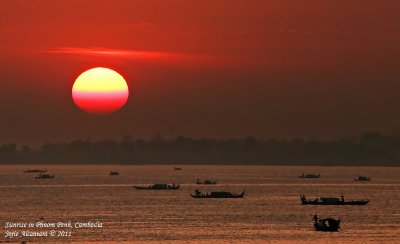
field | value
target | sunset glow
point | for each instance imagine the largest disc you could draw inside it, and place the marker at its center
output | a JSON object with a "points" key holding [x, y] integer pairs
{"points": [[187, 121], [100, 91]]}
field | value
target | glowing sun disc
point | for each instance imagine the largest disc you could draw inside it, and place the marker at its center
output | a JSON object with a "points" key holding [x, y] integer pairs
{"points": [[100, 91]]}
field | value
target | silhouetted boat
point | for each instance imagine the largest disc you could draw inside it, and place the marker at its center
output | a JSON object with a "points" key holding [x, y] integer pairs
{"points": [[309, 176], [177, 168], [331, 201], [206, 182], [363, 178], [44, 176], [326, 224], [114, 173], [35, 171], [158, 187], [217, 194]]}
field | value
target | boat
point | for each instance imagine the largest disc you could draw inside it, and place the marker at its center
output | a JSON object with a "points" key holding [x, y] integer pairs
{"points": [[177, 168], [206, 182], [114, 173], [331, 201], [158, 187], [309, 176], [35, 171], [44, 176], [217, 194], [362, 178], [326, 224]]}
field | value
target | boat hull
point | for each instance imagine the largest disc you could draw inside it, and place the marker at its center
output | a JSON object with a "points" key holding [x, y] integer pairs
{"points": [[147, 188], [43, 178], [309, 177], [35, 171], [241, 195], [206, 183], [335, 203], [319, 227], [339, 203], [157, 188]]}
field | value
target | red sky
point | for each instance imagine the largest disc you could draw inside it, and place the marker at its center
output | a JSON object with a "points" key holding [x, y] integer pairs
{"points": [[210, 68]]}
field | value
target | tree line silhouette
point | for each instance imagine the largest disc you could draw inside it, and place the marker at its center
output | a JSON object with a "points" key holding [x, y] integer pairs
{"points": [[368, 149]]}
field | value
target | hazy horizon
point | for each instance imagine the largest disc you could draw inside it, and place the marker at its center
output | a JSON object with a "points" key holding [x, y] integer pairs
{"points": [[368, 149]]}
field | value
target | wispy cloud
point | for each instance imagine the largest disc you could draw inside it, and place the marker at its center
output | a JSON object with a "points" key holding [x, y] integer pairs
{"points": [[170, 58], [116, 53]]}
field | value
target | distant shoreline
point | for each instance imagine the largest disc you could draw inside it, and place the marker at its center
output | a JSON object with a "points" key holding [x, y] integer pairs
{"points": [[371, 149]]}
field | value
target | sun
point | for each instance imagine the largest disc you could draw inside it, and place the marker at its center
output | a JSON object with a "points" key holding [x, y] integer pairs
{"points": [[100, 91]]}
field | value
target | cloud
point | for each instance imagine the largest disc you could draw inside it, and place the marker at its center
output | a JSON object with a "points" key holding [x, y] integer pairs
{"points": [[116, 53], [169, 58]]}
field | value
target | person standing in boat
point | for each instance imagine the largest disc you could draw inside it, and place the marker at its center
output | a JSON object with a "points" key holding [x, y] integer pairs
{"points": [[315, 218], [342, 198], [197, 192]]}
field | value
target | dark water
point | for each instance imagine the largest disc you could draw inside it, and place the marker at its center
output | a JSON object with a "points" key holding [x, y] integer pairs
{"points": [[270, 211]]}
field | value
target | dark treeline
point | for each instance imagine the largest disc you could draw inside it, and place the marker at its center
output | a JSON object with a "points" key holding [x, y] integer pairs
{"points": [[369, 149]]}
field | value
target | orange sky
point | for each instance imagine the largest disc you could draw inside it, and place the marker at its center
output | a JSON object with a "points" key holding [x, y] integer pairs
{"points": [[225, 68]]}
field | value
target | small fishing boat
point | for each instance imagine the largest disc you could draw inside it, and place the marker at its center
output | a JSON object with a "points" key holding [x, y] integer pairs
{"points": [[177, 168], [362, 178], [44, 176], [309, 176], [326, 224], [206, 182], [331, 201], [35, 171], [114, 173], [217, 194], [158, 187]]}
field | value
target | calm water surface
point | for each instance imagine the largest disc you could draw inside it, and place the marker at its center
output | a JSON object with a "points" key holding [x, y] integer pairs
{"points": [[270, 211]]}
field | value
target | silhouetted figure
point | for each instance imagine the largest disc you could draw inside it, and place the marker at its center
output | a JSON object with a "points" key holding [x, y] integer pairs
{"points": [[342, 198], [197, 192], [315, 218]]}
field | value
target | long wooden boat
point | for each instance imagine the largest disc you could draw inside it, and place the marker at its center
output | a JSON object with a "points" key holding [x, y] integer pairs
{"points": [[309, 176], [206, 182], [44, 176], [35, 171], [331, 201], [158, 187], [362, 178], [217, 194]]}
